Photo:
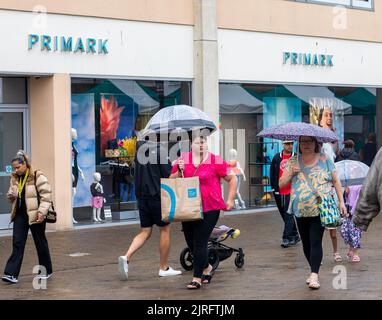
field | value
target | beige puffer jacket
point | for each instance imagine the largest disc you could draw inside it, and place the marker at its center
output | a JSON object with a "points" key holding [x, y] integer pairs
{"points": [[31, 201]]}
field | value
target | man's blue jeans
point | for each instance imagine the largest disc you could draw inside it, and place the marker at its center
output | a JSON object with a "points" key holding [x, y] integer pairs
{"points": [[290, 230]]}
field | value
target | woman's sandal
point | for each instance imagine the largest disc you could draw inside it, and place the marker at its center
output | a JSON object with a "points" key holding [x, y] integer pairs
{"points": [[206, 278], [355, 258], [337, 257], [193, 285], [314, 284]]}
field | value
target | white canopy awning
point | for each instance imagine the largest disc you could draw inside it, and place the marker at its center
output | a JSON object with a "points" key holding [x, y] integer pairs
{"points": [[320, 97], [140, 97], [373, 91], [234, 99]]}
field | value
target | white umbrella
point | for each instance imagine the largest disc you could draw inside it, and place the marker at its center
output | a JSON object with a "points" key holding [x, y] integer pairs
{"points": [[178, 118], [351, 172]]}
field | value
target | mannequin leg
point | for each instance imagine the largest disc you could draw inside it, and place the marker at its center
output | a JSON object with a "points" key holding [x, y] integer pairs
{"points": [[242, 203], [95, 215], [73, 195], [99, 214]]}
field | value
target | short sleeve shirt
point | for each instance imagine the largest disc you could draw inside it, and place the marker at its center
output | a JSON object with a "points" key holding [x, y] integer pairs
{"points": [[303, 201], [210, 172]]}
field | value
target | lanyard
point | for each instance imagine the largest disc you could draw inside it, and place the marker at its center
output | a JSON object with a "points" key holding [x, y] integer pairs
{"points": [[21, 187]]}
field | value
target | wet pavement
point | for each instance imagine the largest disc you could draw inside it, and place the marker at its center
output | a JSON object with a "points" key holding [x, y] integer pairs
{"points": [[85, 266]]}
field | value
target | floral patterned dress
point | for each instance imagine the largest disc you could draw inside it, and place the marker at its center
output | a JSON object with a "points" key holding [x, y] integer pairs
{"points": [[303, 201]]}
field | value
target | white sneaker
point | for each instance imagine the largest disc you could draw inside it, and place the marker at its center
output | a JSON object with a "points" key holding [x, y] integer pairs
{"points": [[123, 266], [44, 277], [169, 272], [9, 279]]}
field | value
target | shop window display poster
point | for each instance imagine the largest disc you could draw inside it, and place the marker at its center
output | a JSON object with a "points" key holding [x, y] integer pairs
{"points": [[329, 113], [118, 124], [83, 121], [277, 111]]}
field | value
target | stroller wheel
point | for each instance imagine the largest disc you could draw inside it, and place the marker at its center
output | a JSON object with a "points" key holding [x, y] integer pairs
{"points": [[213, 258], [186, 259], [239, 260]]}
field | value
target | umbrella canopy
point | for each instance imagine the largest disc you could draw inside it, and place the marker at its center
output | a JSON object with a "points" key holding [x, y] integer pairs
{"points": [[294, 130], [351, 172], [179, 118]]}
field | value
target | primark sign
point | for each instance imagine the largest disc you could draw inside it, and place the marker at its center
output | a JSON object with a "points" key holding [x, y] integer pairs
{"points": [[308, 59], [67, 44]]}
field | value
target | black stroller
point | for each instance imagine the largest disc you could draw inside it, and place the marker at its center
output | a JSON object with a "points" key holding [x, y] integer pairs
{"points": [[216, 250]]}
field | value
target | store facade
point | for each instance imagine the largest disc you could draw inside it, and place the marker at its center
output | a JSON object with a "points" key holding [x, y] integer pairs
{"points": [[58, 77], [60, 69], [268, 79]]}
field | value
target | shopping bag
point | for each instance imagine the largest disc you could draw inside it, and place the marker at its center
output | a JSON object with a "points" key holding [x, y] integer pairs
{"points": [[330, 214], [181, 200]]}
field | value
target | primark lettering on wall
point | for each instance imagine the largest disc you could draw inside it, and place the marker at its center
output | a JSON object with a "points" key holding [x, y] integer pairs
{"points": [[67, 44], [308, 59]]}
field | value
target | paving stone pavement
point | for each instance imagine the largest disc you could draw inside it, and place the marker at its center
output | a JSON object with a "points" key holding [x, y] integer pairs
{"points": [[270, 272]]}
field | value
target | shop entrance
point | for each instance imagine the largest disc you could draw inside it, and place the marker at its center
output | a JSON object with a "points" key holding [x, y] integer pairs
{"points": [[13, 136]]}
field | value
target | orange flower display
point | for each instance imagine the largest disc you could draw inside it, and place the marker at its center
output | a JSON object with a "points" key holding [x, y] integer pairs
{"points": [[109, 117]]}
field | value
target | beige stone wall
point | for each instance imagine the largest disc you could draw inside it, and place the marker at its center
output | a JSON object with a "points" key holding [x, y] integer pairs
{"points": [[166, 11], [288, 17], [50, 139]]}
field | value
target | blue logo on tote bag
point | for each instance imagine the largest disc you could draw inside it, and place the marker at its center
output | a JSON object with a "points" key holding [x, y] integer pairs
{"points": [[192, 193]]}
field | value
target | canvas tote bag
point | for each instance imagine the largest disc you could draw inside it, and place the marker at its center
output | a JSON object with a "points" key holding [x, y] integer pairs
{"points": [[181, 199]]}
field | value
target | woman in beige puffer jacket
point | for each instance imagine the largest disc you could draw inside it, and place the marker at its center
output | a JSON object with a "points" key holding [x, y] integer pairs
{"points": [[27, 214], [44, 190]]}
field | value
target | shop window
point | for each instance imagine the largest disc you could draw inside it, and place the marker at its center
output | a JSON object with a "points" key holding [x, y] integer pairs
{"points": [[349, 111], [13, 90], [366, 4], [109, 116]]}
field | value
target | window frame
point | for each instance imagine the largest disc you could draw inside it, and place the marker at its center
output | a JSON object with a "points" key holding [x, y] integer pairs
{"points": [[353, 4]]}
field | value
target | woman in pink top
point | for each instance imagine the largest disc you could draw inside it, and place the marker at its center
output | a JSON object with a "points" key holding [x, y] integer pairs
{"points": [[210, 169]]}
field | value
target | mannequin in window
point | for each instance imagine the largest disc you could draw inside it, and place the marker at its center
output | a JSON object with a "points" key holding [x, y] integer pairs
{"points": [[325, 120], [236, 170], [76, 170], [98, 200]]}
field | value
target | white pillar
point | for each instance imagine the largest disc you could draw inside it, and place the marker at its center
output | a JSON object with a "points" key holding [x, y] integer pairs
{"points": [[206, 72], [51, 141]]}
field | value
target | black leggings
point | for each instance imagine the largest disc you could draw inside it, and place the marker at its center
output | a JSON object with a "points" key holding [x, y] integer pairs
{"points": [[311, 233], [196, 234]]}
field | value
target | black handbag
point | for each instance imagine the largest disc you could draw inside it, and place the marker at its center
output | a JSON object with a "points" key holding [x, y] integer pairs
{"points": [[51, 216]]}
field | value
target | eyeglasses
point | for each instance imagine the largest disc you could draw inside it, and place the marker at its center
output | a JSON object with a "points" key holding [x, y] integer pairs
{"points": [[288, 143]]}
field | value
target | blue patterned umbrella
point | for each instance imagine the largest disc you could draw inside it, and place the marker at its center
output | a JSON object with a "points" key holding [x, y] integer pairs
{"points": [[294, 130]]}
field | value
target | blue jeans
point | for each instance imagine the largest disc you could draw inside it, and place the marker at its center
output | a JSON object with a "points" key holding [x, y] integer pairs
{"points": [[290, 230]]}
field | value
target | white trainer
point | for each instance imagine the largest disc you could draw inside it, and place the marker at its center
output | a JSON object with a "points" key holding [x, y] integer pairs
{"points": [[169, 272], [44, 276], [123, 266]]}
